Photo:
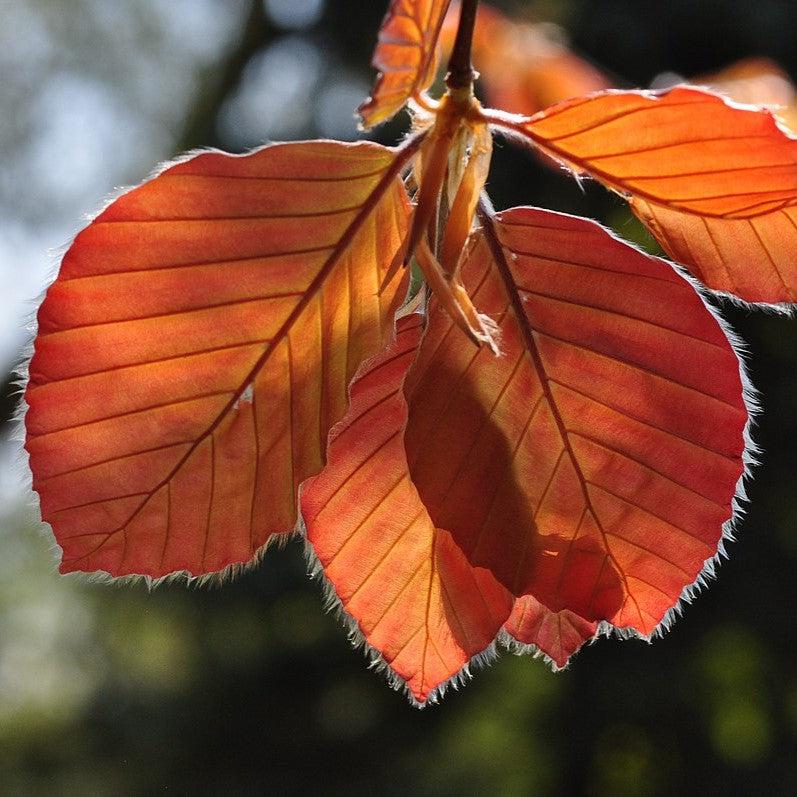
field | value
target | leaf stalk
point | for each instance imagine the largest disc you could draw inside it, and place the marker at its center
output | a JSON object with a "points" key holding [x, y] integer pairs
{"points": [[461, 73]]}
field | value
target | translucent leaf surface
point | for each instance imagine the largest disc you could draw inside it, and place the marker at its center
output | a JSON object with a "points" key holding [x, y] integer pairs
{"points": [[710, 178], [197, 346], [759, 81], [604, 445], [415, 598], [406, 56], [752, 259], [557, 635], [587, 473]]}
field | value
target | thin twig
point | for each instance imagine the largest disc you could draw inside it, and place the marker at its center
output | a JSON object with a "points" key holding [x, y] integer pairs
{"points": [[460, 69]]}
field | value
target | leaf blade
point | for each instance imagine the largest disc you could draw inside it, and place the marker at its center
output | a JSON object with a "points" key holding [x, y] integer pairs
{"points": [[416, 601], [688, 159], [184, 312], [406, 56], [534, 629], [570, 511], [757, 81], [553, 466], [749, 259]]}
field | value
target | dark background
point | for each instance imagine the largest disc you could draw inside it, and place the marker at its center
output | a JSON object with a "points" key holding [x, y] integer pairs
{"points": [[251, 688]]}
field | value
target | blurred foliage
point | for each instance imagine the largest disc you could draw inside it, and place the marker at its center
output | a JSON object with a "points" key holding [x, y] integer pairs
{"points": [[251, 688]]}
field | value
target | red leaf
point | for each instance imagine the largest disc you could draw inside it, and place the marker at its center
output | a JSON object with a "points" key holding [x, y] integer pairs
{"points": [[750, 259], [406, 56], [589, 471], [198, 345], [612, 427], [422, 608], [707, 176]]}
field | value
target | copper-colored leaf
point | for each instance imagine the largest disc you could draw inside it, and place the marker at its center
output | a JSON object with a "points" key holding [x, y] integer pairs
{"points": [[406, 56], [524, 67], [713, 177], [589, 471], [593, 466], [416, 600], [198, 345]]}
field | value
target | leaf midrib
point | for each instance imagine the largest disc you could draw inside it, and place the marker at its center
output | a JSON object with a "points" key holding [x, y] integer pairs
{"points": [[487, 218]]}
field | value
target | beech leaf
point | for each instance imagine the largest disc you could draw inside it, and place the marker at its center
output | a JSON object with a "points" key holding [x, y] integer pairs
{"points": [[584, 477], [548, 444], [715, 182], [406, 57], [531, 628], [197, 346], [402, 580], [604, 446], [756, 81]]}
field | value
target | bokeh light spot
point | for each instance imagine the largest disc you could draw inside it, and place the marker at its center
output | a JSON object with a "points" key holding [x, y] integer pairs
{"points": [[273, 100], [295, 14], [741, 732], [335, 117]]}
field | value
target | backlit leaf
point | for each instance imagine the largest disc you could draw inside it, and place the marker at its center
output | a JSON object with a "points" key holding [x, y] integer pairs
{"points": [[416, 600], [557, 635], [406, 56], [710, 177], [594, 464], [749, 258], [197, 346], [588, 472]]}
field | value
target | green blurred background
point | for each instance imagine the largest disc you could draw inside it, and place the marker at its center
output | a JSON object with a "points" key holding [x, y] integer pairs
{"points": [[251, 688]]}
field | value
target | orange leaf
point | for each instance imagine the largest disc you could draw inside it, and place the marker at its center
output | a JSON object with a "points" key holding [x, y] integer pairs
{"points": [[594, 464], [690, 160], [589, 471], [524, 67], [422, 608], [406, 56], [197, 346]]}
